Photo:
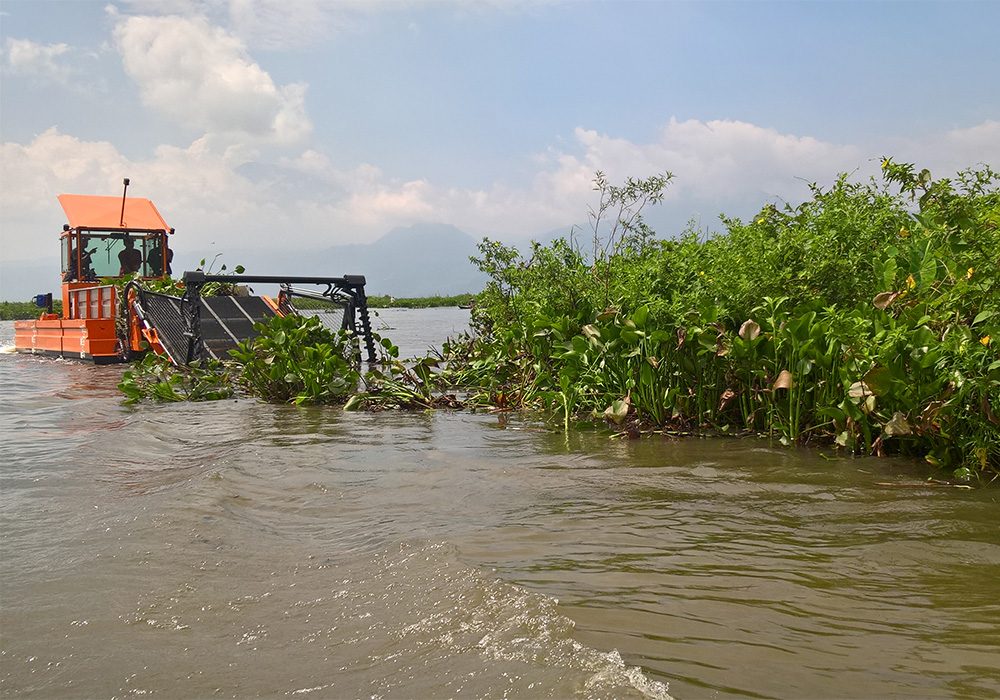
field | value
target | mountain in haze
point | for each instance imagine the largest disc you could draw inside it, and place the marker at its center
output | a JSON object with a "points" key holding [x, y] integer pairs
{"points": [[414, 261], [422, 260]]}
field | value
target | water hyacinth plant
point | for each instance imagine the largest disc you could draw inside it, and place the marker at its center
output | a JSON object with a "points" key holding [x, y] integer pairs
{"points": [[154, 377], [296, 359], [865, 318]]}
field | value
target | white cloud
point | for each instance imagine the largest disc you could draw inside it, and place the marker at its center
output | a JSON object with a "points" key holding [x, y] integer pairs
{"points": [[26, 57], [54, 162], [30, 178], [720, 158], [378, 204], [220, 194], [721, 167], [202, 77], [186, 184], [980, 140], [276, 24], [716, 164], [956, 149], [310, 162], [201, 191]]}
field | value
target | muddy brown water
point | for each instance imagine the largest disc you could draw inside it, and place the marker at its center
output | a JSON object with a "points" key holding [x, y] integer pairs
{"points": [[236, 549]]}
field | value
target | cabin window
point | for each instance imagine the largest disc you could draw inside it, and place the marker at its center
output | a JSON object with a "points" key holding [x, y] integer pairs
{"points": [[77, 260], [115, 255], [158, 256], [65, 254]]}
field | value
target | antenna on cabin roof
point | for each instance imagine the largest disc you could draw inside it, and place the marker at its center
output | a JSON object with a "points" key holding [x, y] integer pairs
{"points": [[125, 182]]}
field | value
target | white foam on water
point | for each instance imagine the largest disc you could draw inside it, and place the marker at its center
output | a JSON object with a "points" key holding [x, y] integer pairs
{"points": [[462, 612]]}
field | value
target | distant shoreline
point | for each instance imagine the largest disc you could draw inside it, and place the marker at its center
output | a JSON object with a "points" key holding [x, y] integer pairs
{"points": [[25, 310], [384, 301], [28, 310]]}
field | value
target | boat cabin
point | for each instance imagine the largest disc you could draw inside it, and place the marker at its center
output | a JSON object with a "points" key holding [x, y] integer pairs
{"points": [[111, 237]]}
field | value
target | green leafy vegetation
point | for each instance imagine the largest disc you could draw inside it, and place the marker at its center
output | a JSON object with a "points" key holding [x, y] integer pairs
{"points": [[866, 317], [384, 302], [296, 359], [25, 310], [155, 378]]}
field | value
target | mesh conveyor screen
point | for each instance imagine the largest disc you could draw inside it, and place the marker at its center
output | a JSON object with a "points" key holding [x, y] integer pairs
{"points": [[225, 321]]}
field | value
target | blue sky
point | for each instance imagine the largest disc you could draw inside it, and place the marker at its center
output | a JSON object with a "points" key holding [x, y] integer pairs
{"points": [[303, 124]]}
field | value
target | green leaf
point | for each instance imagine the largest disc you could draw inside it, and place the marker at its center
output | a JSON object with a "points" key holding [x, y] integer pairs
{"points": [[928, 270], [889, 270], [878, 381], [983, 315], [640, 316], [580, 344]]}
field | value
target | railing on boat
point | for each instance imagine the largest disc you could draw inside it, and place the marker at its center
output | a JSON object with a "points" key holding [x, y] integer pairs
{"points": [[93, 302]]}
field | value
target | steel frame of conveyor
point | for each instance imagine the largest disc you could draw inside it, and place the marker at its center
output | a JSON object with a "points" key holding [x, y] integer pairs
{"points": [[348, 290]]}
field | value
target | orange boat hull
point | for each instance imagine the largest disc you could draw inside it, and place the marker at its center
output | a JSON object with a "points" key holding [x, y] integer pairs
{"points": [[93, 340]]}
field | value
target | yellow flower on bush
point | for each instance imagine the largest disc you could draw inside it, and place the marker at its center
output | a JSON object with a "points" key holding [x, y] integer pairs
{"points": [[903, 233], [971, 270], [910, 282], [985, 340]]}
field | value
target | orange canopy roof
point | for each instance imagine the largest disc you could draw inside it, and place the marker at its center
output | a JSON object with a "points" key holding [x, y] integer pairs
{"points": [[91, 211]]}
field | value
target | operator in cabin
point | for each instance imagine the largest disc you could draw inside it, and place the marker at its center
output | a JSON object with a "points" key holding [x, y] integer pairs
{"points": [[130, 258], [73, 274], [158, 263]]}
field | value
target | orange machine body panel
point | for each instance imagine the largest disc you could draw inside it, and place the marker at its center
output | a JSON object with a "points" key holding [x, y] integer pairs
{"points": [[94, 340], [106, 213]]}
